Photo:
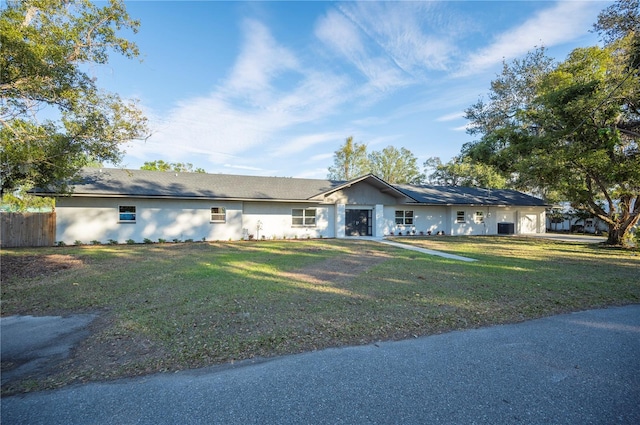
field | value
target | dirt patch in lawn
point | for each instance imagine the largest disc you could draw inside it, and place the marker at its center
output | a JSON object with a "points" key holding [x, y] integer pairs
{"points": [[30, 266], [338, 270]]}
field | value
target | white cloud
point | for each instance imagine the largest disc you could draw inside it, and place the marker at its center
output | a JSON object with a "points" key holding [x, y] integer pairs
{"points": [[341, 36], [564, 22], [260, 61], [248, 109], [315, 173], [461, 128], [302, 143], [451, 117], [415, 35], [244, 167], [321, 157]]}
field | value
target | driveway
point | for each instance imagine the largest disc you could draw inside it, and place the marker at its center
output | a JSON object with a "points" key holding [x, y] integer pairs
{"points": [[580, 368], [37, 343], [568, 237]]}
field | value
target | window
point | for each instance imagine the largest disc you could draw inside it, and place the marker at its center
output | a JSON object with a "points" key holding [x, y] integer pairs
{"points": [[479, 217], [218, 214], [303, 217], [404, 218], [460, 217], [127, 214]]}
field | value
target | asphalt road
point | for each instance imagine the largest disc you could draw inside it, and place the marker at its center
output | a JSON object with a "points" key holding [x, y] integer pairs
{"points": [[581, 368], [38, 343]]}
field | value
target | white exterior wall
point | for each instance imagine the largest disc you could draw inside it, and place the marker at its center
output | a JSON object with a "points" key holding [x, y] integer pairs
{"points": [[472, 224], [339, 220], [378, 221], [433, 219], [525, 220], [275, 219], [88, 219]]}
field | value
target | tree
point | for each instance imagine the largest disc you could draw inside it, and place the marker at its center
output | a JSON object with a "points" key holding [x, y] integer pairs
{"points": [[462, 171], [176, 167], [24, 202], [349, 161], [54, 118], [621, 20], [396, 166], [572, 132]]}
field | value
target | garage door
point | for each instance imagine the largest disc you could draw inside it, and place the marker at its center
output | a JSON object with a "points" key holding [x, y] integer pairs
{"points": [[529, 223]]}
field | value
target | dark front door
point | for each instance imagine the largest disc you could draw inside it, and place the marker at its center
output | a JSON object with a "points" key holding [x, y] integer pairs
{"points": [[358, 223]]}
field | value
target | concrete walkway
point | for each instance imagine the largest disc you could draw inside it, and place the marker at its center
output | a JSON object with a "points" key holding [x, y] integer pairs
{"points": [[426, 251], [580, 368]]}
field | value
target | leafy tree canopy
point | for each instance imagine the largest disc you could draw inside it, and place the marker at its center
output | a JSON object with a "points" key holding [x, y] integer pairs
{"points": [[462, 171], [569, 131], [622, 20], [177, 167], [24, 202], [54, 118], [349, 161], [352, 160], [396, 166]]}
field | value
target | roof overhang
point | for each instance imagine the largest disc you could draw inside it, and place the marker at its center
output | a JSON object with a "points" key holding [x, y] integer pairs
{"points": [[370, 179], [191, 198]]}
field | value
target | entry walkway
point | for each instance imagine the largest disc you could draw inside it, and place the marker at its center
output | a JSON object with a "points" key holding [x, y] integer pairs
{"points": [[418, 249], [427, 251]]}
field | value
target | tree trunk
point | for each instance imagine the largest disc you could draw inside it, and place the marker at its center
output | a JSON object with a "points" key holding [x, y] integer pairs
{"points": [[615, 236]]}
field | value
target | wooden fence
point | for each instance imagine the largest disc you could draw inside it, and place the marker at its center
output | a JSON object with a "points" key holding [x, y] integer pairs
{"points": [[27, 229]]}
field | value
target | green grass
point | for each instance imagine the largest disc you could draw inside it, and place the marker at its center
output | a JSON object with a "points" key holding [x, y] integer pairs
{"points": [[188, 305]]}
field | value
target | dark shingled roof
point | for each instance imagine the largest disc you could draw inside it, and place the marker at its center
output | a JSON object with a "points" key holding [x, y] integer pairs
{"points": [[454, 195], [142, 183], [152, 184]]}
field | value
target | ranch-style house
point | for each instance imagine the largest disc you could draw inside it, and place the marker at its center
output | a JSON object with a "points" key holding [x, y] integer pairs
{"points": [[123, 205]]}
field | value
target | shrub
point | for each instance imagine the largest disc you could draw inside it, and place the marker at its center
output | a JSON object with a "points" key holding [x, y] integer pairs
{"points": [[130, 242], [176, 240], [147, 240], [95, 242], [188, 240], [160, 240], [77, 242], [60, 243], [112, 242]]}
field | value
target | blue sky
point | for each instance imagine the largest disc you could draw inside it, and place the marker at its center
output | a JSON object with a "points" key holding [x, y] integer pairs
{"points": [[274, 88]]}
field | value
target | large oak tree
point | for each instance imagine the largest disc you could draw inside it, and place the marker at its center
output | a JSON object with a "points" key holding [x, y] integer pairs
{"points": [[570, 131], [54, 118]]}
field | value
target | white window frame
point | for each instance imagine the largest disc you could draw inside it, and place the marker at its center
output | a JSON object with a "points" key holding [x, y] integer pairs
{"points": [[479, 217], [220, 214], [405, 218], [461, 217], [302, 217], [126, 213]]}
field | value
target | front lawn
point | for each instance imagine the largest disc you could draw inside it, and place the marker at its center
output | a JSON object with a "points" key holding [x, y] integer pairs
{"points": [[166, 307]]}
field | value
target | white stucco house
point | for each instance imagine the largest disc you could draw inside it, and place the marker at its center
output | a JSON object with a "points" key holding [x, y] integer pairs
{"points": [[121, 205]]}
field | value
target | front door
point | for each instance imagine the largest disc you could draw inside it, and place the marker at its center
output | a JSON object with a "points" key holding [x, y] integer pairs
{"points": [[358, 223]]}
